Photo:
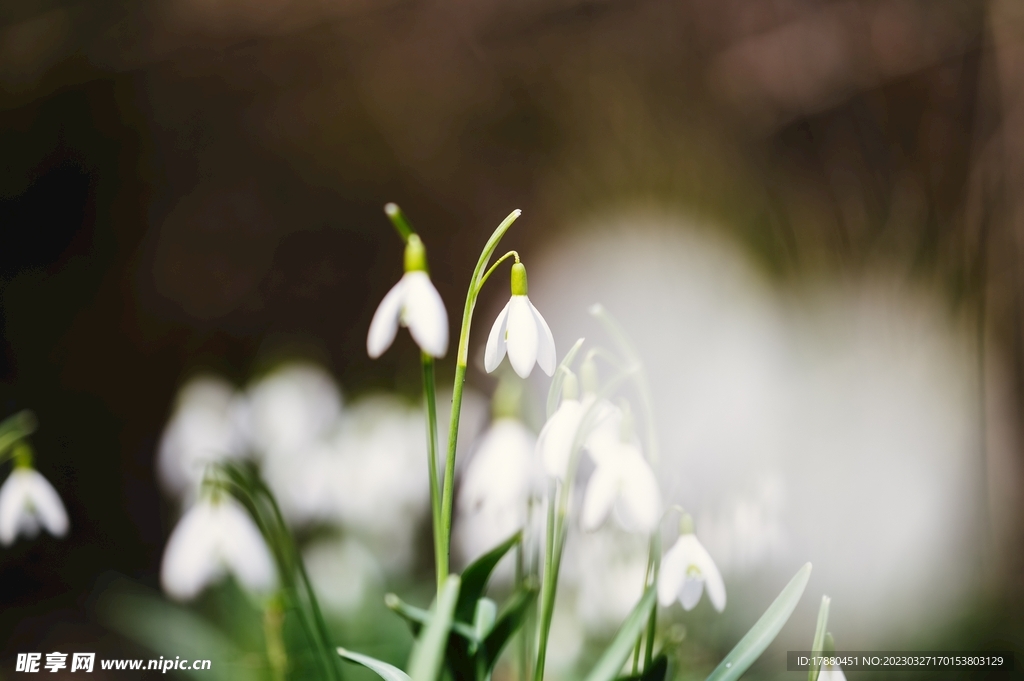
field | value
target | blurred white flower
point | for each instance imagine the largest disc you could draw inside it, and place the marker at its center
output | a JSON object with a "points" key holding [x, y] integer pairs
{"points": [[623, 480], [685, 570], [291, 408], [214, 537], [344, 573], [414, 303], [27, 501], [608, 569], [500, 480], [208, 425], [554, 444], [521, 331]]}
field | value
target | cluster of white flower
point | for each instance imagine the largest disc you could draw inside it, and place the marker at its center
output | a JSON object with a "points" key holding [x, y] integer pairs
{"points": [[326, 462]]}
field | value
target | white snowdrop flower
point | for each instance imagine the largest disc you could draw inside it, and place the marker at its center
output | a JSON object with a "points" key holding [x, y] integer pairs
{"points": [[292, 407], [344, 573], [208, 425], [500, 479], [554, 444], [608, 569], [28, 501], [521, 331], [622, 480], [214, 537], [686, 569], [414, 303]]}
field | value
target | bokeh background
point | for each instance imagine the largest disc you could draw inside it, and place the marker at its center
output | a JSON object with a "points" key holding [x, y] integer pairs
{"points": [[808, 213]]}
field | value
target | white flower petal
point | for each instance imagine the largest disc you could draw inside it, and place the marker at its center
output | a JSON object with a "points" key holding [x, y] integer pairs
{"points": [[384, 325], [546, 357], [832, 674], [672, 574], [522, 336], [46, 503], [640, 498], [602, 491], [13, 498], [689, 595], [495, 350], [501, 475], [424, 314], [190, 559], [556, 438], [243, 549], [712, 577]]}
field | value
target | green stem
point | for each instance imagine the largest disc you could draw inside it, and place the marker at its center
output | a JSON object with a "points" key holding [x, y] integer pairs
{"points": [[547, 589], [462, 359], [639, 638], [430, 396], [490, 270], [397, 218], [654, 558]]}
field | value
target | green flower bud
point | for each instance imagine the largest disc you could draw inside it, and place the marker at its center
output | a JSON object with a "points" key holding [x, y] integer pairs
{"points": [[588, 376], [415, 255], [686, 524], [518, 279]]}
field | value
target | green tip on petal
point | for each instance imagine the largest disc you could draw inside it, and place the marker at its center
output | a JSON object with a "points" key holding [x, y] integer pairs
{"points": [[415, 255], [686, 524], [518, 279]]}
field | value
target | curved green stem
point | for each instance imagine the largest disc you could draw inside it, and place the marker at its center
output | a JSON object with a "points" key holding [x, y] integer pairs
{"points": [[490, 270], [462, 359]]}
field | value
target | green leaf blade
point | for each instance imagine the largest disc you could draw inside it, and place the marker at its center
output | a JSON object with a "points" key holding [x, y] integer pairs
{"points": [[476, 576], [764, 630], [608, 667], [384, 670], [429, 651]]}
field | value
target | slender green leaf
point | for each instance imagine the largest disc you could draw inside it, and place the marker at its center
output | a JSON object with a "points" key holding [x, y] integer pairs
{"points": [[819, 637], [474, 577], [428, 652], [555, 390], [386, 671], [764, 631], [608, 667], [509, 622]]}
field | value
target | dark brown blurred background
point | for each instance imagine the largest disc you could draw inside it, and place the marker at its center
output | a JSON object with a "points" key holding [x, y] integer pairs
{"points": [[199, 183]]}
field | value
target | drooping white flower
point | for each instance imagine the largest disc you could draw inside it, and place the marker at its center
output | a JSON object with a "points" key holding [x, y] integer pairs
{"points": [[414, 303], [685, 570], [622, 480], [521, 331], [214, 537], [556, 439], [208, 425], [28, 501]]}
